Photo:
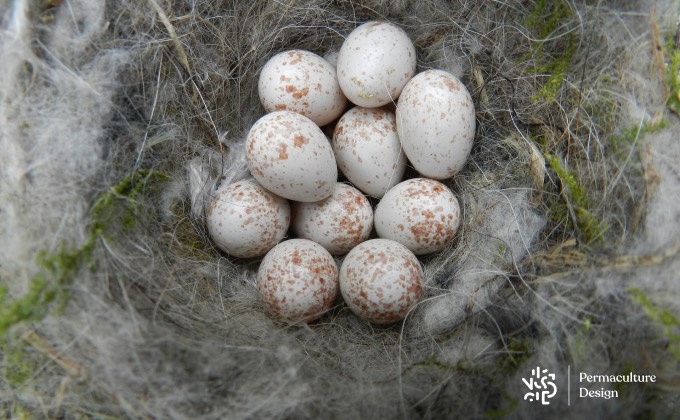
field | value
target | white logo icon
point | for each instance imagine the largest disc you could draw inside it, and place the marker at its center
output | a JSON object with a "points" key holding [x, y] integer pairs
{"points": [[539, 383]]}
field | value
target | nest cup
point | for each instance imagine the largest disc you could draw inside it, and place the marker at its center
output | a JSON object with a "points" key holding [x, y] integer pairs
{"points": [[120, 120]]}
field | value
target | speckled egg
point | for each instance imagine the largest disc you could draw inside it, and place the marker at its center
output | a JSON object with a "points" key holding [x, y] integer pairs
{"points": [[381, 280], [297, 281], [290, 156], [374, 63], [338, 223], [420, 213], [245, 220], [436, 123], [302, 82], [368, 150]]}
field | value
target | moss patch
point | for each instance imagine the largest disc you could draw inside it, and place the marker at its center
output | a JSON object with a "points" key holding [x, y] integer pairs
{"points": [[48, 289], [17, 366], [629, 136], [543, 20], [557, 71], [546, 16], [672, 52], [577, 204], [669, 323]]}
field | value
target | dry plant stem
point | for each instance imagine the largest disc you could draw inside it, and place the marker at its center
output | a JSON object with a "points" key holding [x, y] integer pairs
{"points": [[73, 368], [175, 39]]}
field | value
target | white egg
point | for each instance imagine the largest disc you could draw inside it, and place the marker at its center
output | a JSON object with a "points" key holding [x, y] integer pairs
{"points": [[297, 280], [302, 82], [423, 214], [338, 223], [245, 220], [368, 150], [436, 123], [381, 280], [374, 63], [290, 156]]}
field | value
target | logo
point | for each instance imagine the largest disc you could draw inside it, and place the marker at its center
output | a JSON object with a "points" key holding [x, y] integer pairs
{"points": [[541, 386]]}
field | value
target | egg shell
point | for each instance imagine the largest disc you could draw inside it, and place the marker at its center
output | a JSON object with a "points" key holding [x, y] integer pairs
{"points": [[436, 123], [297, 280], [374, 63], [368, 150], [302, 82], [381, 280], [245, 220], [420, 213], [289, 155], [338, 223]]}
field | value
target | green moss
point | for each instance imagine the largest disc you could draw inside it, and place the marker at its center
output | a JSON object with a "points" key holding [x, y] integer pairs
{"points": [[32, 306], [603, 108], [580, 346], [121, 203], [48, 290], [672, 52], [518, 350], [20, 412], [17, 366], [189, 243], [575, 198], [545, 17], [504, 411], [622, 387], [670, 325], [433, 362], [631, 135], [557, 70]]}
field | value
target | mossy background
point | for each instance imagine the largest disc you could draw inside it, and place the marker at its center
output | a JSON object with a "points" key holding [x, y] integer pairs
{"points": [[118, 119]]}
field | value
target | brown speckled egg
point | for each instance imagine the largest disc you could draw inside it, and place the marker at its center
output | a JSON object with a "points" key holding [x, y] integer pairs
{"points": [[375, 62], [338, 223], [381, 280], [298, 281], [368, 150], [245, 220], [436, 123], [423, 214], [302, 82], [290, 156]]}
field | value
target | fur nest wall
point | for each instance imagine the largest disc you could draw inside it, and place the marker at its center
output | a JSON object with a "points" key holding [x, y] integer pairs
{"points": [[119, 118]]}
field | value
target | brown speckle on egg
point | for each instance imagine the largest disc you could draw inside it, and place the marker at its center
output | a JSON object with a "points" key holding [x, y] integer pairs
{"points": [[297, 281], [423, 214], [436, 147], [371, 46], [289, 155], [381, 280], [245, 220], [294, 80], [368, 151], [338, 223]]}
